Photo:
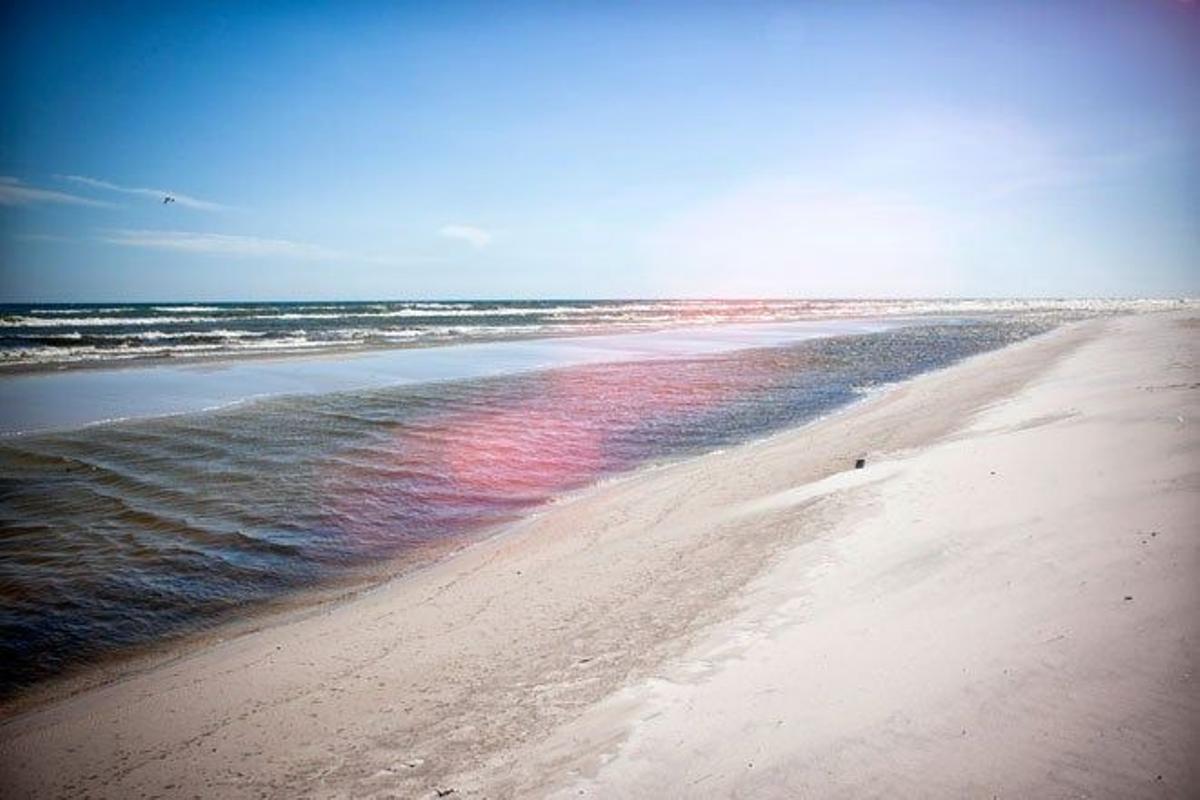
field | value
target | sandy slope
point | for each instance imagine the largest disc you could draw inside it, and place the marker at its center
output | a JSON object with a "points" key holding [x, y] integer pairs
{"points": [[1013, 612], [951, 621]]}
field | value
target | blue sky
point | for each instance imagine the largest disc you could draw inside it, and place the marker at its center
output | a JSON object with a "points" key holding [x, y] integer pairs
{"points": [[599, 150]]}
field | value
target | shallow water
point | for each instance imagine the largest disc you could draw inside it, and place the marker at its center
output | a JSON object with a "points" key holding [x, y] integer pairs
{"points": [[70, 398], [120, 534]]}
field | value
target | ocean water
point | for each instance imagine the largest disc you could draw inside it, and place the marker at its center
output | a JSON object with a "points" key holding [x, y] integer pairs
{"points": [[42, 399], [81, 334], [116, 535]]}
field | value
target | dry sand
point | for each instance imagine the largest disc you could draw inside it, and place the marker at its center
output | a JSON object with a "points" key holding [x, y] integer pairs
{"points": [[1005, 602]]}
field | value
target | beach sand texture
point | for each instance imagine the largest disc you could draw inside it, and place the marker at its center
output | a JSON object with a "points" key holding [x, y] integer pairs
{"points": [[1003, 602]]}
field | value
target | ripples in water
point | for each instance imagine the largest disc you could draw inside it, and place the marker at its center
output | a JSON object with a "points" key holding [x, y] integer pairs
{"points": [[118, 535]]}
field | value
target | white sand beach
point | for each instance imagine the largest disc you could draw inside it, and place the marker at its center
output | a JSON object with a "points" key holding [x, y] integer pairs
{"points": [[1005, 602]]}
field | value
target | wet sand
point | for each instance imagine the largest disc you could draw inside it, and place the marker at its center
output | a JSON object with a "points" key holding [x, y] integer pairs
{"points": [[1003, 602]]}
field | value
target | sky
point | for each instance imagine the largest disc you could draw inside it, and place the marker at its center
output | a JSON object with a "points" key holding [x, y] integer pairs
{"points": [[588, 150]]}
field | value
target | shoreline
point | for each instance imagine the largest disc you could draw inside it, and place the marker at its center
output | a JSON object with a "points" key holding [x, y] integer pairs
{"points": [[1011, 611], [1134, 305], [232, 358], [122, 393], [304, 602], [484, 657]]}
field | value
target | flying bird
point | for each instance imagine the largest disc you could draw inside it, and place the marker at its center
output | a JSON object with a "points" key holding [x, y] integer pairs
{"points": [[168, 199]]}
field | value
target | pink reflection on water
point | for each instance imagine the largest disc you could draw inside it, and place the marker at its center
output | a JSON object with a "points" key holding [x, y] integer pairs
{"points": [[532, 450], [460, 469]]}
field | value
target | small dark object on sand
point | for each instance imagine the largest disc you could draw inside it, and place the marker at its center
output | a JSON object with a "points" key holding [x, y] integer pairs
{"points": [[860, 463], [1128, 597], [444, 792]]}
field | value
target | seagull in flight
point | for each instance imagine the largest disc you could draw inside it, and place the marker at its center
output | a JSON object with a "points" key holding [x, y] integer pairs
{"points": [[168, 199]]}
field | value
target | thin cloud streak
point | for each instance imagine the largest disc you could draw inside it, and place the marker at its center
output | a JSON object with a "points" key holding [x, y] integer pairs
{"points": [[15, 193], [40, 237], [237, 246], [218, 244], [184, 200], [476, 237]]}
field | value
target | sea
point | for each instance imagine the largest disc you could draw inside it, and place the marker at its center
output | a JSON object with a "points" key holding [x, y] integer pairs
{"points": [[168, 468], [90, 334]]}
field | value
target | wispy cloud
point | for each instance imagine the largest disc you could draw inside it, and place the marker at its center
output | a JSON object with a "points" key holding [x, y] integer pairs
{"points": [[225, 244], [40, 237], [476, 237], [157, 194], [15, 193], [925, 203], [791, 237], [218, 244], [975, 159]]}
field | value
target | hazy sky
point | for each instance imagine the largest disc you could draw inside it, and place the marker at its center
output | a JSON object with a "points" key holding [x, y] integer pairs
{"points": [[599, 150]]}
